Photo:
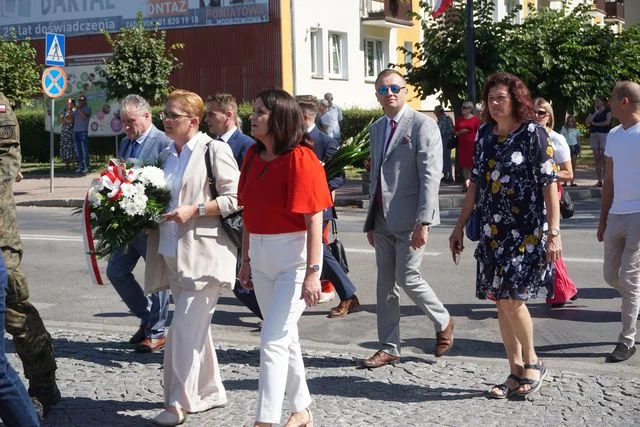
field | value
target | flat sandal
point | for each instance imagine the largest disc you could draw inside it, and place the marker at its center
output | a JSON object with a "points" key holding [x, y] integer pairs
{"points": [[504, 388], [535, 384]]}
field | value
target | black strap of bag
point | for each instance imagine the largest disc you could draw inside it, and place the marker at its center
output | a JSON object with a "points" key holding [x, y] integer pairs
{"points": [[232, 224], [337, 248]]}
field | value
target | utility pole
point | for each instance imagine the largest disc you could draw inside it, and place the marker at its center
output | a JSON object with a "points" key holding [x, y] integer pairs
{"points": [[471, 54]]}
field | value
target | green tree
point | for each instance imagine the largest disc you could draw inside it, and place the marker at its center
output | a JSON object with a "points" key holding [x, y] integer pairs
{"points": [[627, 53], [563, 58], [442, 56], [141, 62], [19, 73]]}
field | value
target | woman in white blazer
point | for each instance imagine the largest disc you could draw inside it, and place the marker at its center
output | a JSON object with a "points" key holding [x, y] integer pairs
{"points": [[192, 255]]}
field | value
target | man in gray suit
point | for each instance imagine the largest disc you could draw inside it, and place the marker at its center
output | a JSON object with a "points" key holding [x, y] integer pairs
{"points": [[406, 159], [143, 144]]}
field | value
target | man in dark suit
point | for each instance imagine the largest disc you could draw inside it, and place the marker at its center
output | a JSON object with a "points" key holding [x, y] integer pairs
{"points": [[406, 166], [222, 119], [143, 144], [325, 147]]}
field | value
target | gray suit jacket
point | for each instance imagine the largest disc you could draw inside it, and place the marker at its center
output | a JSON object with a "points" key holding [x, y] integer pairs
{"points": [[409, 172], [152, 147]]}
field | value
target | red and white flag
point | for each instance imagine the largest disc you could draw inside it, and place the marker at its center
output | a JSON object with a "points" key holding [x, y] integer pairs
{"points": [[440, 7]]}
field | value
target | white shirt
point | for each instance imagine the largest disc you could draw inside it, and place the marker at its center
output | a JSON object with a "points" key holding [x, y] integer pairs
{"points": [[174, 167], [561, 150], [623, 146], [336, 115], [225, 137]]}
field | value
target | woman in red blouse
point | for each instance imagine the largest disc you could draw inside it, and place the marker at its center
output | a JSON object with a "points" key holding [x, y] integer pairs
{"points": [[283, 189], [467, 127]]}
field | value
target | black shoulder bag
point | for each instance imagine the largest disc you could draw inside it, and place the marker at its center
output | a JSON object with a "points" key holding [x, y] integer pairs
{"points": [[337, 249], [232, 224]]}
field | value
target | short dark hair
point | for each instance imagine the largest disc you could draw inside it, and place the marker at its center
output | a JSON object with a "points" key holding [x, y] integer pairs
{"points": [[387, 72], [308, 103], [520, 97], [285, 121], [225, 101]]}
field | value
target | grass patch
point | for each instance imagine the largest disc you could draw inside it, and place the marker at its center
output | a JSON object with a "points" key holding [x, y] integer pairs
{"points": [[33, 169]]}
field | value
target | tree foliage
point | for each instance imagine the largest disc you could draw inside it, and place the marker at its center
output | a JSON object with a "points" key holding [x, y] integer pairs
{"points": [[19, 72], [141, 62], [559, 54]]}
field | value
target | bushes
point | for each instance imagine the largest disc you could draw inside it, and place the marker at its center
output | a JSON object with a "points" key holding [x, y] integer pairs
{"points": [[35, 140]]}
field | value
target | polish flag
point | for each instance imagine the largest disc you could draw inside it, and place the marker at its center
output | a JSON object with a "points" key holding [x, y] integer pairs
{"points": [[440, 7]]}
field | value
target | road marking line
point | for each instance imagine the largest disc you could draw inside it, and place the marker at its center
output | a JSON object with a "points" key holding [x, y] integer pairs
{"points": [[585, 260], [50, 237]]}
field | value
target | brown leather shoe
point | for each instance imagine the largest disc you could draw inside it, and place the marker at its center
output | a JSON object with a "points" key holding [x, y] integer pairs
{"points": [[345, 307], [150, 345], [380, 359], [444, 340]]}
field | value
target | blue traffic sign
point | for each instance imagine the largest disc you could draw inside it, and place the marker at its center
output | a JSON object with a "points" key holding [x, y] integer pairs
{"points": [[54, 82], [54, 50]]}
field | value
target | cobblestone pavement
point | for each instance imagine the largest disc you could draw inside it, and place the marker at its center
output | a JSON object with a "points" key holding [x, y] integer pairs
{"points": [[104, 383]]}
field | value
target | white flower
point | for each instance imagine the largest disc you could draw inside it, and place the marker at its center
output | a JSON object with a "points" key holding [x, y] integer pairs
{"points": [[516, 157], [497, 218], [97, 185], [547, 167], [515, 234], [94, 197], [487, 230], [504, 179], [128, 190], [531, 127], [495, 175], [152, 175], [135, 205]]}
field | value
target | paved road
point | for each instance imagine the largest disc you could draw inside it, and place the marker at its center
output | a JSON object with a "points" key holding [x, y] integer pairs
{"points": [[107, 384]]}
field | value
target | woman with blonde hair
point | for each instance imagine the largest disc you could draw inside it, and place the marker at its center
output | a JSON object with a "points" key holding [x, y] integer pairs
{"points": [[192, 255], [564, 287]]}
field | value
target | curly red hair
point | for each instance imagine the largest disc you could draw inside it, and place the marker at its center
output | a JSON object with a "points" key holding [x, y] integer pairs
{"points": [[520, 97]]}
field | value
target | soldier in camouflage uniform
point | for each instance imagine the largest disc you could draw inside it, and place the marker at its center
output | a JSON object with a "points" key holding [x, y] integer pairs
{"points": [[32, 341]]}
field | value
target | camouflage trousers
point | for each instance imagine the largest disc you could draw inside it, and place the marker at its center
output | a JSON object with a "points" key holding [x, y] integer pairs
{"points": [[33, 343]]}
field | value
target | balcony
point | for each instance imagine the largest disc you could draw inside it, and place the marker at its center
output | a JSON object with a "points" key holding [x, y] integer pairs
{"points": [[599, 6], [614, 10], [386, 14]]}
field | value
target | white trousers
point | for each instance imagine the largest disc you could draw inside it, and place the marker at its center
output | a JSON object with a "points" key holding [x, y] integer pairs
{"points": [[191, 373], [278, 267]]}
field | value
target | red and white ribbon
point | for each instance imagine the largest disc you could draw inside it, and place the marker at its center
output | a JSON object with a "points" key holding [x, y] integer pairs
{"points": [[116, 175], [440, 7], [89, 248]]}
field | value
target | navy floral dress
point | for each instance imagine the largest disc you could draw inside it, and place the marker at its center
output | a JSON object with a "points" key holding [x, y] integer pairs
{"points": [[510, 173]]}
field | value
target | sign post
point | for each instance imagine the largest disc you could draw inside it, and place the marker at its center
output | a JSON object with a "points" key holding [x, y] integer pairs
{"points": [[54, 84]]}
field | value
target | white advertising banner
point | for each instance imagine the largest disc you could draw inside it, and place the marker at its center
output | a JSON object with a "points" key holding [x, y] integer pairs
{"points": [[34, 18]]}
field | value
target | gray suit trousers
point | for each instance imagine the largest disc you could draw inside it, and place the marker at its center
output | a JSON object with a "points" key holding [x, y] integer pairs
{"points": [[399, 267]]}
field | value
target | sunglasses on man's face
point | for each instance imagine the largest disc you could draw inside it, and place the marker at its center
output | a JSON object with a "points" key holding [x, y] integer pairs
{"points": [[395, 89]]}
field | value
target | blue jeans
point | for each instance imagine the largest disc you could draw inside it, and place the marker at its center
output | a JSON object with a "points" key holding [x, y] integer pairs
{"points": [[16, 408], [81, 147], [152, 310], [446, 162]]}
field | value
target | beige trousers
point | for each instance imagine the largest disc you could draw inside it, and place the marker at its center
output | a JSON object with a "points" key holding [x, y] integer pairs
{"points": [[191, 373], [622, 268]]}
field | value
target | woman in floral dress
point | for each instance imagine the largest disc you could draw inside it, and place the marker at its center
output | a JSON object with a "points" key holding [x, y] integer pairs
{"points": [[515, 175], [67, 153]]}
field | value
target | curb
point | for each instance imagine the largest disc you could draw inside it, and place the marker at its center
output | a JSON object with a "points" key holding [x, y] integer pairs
{"points": [[447, 201]]}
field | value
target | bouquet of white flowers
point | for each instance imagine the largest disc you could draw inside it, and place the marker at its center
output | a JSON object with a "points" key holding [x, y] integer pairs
{"points": [[122, 203]]}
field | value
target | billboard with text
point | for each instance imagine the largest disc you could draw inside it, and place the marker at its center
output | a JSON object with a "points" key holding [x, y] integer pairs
{"points": [[34, 18]]}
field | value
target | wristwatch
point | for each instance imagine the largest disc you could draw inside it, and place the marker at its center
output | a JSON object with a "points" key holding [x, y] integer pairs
{"points": [[314, 267], [202, 211], [553, 232]]}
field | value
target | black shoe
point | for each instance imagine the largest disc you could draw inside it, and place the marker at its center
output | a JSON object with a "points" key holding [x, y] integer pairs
{"points": [[621, 353], [42, 403], [138, 337], [573, 298], [558, 304]]}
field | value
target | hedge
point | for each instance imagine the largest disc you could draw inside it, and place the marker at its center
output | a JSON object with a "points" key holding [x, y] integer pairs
{"points": [[35, 140]]}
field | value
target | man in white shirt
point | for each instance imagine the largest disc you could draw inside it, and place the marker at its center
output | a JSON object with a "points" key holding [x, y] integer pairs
{"points": [[336, 114], [619, 226]]}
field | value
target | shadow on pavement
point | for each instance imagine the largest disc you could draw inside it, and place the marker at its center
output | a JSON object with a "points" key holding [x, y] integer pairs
{"points": [[82, 411]]}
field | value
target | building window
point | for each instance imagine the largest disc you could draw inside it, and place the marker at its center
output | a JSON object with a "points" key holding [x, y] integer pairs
{"points": [[315, 40], [373, 57], [337, 55], [408, 52]]}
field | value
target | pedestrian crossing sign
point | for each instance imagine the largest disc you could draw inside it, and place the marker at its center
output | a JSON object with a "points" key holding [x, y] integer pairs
{"points": [[54, 49]]}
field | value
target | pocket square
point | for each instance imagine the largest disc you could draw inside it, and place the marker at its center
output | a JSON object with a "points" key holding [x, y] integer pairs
{"points": [[406, 139]]}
